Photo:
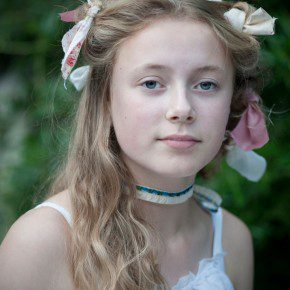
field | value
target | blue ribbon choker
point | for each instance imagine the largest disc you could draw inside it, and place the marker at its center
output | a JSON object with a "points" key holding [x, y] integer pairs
{"points": [[206, 197]]}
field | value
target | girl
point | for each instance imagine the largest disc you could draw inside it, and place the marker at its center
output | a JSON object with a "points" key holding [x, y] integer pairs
{"points": [[170, 86]]}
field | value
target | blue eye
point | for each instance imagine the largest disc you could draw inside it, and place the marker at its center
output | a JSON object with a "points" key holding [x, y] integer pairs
{"points": [[207, 85], [150, 84]]}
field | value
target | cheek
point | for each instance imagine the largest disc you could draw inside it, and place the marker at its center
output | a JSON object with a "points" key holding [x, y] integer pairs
{"points": [[134, 123], [217, 118]]}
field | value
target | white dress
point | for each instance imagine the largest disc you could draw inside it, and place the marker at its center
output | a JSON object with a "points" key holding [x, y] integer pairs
{"points": [[211, 273]]}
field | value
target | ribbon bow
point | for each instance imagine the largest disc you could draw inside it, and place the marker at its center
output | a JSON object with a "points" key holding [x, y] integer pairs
{"points": [[251, 131], [258, 23], [248, 163], [73, 40]]}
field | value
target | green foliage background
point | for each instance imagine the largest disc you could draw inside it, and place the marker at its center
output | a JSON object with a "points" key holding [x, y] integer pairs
{"points": [[35, 115]]}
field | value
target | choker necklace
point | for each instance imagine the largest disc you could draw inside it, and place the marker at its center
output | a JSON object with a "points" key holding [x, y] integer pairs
{"points": [[158, 196], [207, 198]]}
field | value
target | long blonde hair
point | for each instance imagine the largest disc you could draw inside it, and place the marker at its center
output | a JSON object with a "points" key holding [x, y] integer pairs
{"points": [[112, 245]]}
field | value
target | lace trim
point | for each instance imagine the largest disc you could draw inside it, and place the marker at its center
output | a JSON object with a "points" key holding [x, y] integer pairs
{"points": [[206, 268]]}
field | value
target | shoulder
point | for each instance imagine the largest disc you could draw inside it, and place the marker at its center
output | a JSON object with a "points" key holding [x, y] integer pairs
{"points": [[63, 199], [238, 243], [34, 251]]}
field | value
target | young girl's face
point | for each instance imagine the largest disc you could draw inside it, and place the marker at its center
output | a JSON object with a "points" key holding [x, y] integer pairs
{"points": [[173, 77]]}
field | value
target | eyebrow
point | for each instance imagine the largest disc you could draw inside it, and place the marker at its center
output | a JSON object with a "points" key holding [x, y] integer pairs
{"points": [[206, 68]]}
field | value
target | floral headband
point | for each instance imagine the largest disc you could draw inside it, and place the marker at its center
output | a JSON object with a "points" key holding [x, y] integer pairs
{"points": [[250, 133]]}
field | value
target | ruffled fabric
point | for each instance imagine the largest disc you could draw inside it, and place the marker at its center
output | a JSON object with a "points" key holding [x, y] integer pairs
{"points": [[210, 276]]}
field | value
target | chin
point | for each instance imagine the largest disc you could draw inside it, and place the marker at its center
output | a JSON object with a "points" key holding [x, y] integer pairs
{"points": [[177, 172]]}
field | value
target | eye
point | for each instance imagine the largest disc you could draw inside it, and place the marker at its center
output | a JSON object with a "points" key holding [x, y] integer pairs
{"points": [[207, 85], [150, 84]]}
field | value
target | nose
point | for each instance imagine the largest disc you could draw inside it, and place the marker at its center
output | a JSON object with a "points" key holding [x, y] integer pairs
{"points": [[180, 108]]}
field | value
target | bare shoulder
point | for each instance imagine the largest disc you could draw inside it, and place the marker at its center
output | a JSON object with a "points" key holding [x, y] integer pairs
{"points": [[63, 199], [238, 243], [34, 252]]}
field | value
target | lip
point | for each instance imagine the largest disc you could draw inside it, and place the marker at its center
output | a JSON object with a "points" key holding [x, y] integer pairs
{"points": [[180, 138], [180, 141]]}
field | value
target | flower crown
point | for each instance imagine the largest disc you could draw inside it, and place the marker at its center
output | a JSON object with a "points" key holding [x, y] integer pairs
{"points": [[250, 133]]}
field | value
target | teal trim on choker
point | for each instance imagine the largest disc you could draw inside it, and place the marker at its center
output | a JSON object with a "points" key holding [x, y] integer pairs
{"points": [[207, 198], [163, 193], [163, 197]]}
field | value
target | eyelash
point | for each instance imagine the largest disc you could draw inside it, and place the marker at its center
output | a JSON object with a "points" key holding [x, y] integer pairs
{"points": [[206, 82]]}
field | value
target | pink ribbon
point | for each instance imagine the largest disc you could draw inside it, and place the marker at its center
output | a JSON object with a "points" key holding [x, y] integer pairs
{"points": [[251, 131], [68, 16]]}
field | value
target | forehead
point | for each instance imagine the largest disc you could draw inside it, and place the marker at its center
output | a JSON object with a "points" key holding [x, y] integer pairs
{"points": [[171, 42]]}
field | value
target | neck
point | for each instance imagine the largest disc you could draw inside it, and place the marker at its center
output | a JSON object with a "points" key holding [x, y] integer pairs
{"points": [[168, 212], [171, 220], [168, 219]]}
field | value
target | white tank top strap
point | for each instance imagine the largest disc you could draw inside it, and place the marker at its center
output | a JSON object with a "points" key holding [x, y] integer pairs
{"points": [[218, 229], [217, 225], [59, 208]]}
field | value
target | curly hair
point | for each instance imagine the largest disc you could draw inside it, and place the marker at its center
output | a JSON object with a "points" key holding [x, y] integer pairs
{"points": [[112, 245]]}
